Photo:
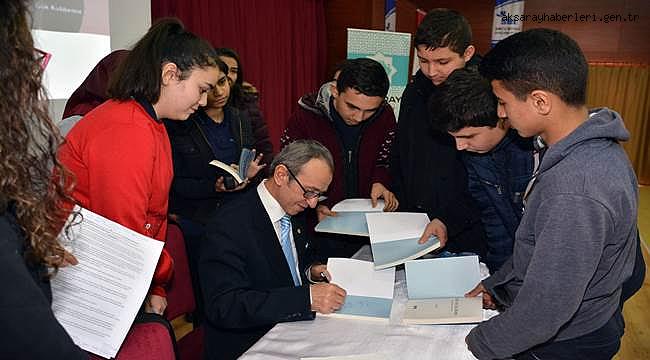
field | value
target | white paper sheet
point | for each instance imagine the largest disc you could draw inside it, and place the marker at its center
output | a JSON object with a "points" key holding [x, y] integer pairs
{"points": [[391, 226], [97, 300], [359, 205], [359, 278]]}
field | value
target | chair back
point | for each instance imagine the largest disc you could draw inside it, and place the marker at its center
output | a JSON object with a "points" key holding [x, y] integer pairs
{"points": [[180, 294]]}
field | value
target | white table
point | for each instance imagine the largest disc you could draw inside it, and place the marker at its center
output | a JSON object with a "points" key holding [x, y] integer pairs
{"points": [[327, 336]]}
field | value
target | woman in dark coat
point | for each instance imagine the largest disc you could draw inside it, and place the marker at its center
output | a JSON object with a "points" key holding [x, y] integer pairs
{"points": [[218, 131], [30, 217], [245, 97]]}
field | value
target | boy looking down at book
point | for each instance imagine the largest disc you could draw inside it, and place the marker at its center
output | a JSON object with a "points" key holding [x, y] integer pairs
{"points": [[575, 245], [427, 172], [498, 161], [351, 119]]}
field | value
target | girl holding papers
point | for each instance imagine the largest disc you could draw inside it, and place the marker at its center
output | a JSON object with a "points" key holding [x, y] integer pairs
{"points": [[120, 152]]}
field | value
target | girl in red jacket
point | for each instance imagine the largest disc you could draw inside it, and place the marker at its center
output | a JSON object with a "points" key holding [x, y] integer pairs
{"points": [[120, 152]]}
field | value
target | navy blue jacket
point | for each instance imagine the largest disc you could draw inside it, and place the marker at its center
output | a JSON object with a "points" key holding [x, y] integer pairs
{"points": [[246, 282], [193, 195], [497, 181]]}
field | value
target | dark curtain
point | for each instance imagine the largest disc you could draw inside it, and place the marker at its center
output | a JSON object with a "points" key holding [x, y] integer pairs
{"points": [[626, 89], [281, 44]]}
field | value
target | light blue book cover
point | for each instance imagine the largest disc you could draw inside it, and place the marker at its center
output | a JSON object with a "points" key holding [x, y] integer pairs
{"points": [[369, 292], [442, 277], [391, 253], [394, 237], [349, 223], [366, 306], [247, 156]]}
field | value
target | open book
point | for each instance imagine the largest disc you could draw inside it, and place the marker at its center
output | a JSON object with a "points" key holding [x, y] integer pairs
{"points": [[436, 289], [350, 218], [369, 292], [245, 159], [394, 237], [97, 300]]}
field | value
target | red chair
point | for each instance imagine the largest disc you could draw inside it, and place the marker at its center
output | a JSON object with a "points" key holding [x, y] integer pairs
{"points": [[150, 338], [180, 299]]}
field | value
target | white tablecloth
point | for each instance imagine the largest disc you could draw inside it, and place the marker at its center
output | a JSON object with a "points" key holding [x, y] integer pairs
{"points": [[327, 336]]}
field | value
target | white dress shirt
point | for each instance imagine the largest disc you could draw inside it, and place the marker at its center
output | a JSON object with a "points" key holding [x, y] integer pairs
{"points": [[275, 212]]}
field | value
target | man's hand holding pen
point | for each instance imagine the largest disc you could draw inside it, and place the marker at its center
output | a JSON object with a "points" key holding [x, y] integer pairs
{"points": [[318, 273], [326, 297]]}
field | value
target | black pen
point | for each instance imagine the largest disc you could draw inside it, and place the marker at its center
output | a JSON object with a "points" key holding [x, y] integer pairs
{"points": [[324, 277]]}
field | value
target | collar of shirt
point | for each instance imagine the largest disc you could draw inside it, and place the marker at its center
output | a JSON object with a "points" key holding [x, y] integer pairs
{"points": [[148, 108], [275, 212], [272, 206]]}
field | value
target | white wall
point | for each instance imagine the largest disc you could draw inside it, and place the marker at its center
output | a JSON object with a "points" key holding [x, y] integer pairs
{"points": [[129, 20]]}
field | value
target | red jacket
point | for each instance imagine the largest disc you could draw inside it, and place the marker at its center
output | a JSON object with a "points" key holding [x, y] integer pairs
{"points": [[312, 121], [122, 161]]}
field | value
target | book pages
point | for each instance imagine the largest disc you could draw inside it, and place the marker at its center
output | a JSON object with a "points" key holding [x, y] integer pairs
{"points": [[97, 300]]}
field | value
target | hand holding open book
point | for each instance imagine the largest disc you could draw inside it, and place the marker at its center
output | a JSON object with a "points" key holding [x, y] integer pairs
{"points": [[488, 300], [437, 229], [237, 175], [347, 217], [437, 291]]}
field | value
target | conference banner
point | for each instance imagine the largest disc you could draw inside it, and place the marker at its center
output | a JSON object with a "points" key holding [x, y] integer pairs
{"points": [[505, 23], [391, 49], [390, 15], [419, 16]]}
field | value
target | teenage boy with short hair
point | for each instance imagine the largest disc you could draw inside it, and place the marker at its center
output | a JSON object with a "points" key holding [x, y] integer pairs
{"points": [[428, 175], [498, 161], [575, 245], [350, 117]]}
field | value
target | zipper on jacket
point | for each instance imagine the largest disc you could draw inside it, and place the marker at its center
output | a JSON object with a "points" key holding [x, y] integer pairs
{"points": [[241, 137], [364, 125], [347, 164], [205, 138], [498, 187], [241, 132]]}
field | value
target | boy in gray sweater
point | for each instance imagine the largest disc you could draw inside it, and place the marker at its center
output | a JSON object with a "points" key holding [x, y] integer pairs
{"points": [[575, 245]]}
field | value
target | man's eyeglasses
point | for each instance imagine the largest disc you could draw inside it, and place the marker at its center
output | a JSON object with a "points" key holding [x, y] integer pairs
{"points": [[307, 194]]}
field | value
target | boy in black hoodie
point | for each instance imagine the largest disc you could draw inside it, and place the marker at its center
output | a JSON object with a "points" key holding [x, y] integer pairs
{"points": [[428, 175]]}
